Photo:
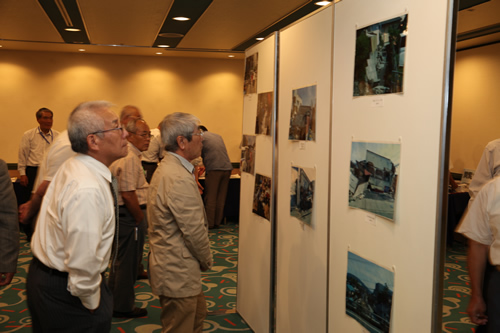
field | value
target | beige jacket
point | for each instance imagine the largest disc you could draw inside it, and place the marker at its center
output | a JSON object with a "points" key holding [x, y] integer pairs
{"points": [[177, 231]]}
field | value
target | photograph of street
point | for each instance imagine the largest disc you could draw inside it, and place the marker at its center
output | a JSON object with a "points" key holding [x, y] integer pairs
{"points": [[250, 83], [374, 176], [303, 114], [262, 196], [264, 113], [302, 193], [369, 290], [380, 57], [247, 163]]}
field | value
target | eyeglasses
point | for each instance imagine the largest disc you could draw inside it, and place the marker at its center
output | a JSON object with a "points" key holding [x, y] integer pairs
{"points": [[200, 133], [108, 130], [144, 136]]}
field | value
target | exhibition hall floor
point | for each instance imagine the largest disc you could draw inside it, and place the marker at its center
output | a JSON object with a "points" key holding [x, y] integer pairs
{"points": [[219, 286]]}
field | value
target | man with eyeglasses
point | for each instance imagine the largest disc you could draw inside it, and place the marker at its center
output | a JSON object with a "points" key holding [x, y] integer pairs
{"points": [[72, 241], [133, 189], [178, 235]]}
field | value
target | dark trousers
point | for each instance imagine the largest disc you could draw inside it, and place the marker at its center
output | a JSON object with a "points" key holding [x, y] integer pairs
{"points": [[149, 168], [25, 195], [214, 195], [123, 273], [491, 294], [53, 308]]}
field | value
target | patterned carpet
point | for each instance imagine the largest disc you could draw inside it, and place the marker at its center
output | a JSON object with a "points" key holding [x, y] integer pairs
{"points": [[219, 286], [456, 291]]}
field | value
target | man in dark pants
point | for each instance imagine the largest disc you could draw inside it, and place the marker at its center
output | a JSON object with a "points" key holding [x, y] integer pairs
{"points": [[72, 241], [217, 173], [482, 226], [133, 190]]}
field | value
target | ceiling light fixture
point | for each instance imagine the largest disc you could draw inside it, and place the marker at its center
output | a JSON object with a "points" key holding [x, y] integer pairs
{"points": [[181, 18], [159, 53], [323, 3], [231, 56], [163, 45], [72, 29], [81, 50], [259, 38]]}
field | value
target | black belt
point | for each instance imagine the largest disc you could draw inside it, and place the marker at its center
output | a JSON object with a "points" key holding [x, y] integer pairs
{"points": [[150, 163], [140, 206], [49, 270], [52, 271]]}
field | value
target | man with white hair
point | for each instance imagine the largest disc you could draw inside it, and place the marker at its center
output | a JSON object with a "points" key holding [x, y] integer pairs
{"points": [[72, 241]]}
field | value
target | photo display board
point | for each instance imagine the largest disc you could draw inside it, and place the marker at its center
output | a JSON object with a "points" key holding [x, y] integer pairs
{"points": [[388, 90], [304, 118], [254, 259]]}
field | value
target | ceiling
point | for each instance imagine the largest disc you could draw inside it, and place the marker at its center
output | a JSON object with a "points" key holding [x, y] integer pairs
{"points": [[218, 28]]}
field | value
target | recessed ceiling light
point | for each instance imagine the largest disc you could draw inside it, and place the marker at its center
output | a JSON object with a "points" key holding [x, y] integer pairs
{"points": [[322, 3], [72, 29], [159, 53], [231, 56], [181, 18], [170, 35], [259, 38], [163, 45], [81, 50]]}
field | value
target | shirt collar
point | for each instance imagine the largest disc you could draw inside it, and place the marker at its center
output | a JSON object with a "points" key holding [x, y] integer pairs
{"points": [[185, 163], [95, 165], [134, 149]]}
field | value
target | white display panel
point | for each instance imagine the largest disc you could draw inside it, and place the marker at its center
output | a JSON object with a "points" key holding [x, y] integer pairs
{"points": [[254, 260], [413, 119], [305, 58]]}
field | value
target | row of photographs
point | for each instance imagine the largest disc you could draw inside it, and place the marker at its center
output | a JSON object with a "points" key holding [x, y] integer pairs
{"points": [[379, 59], [373, 179], [302, 116]]}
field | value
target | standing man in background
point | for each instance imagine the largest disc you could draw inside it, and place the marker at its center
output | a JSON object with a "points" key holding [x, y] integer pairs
{"points": [[178, 237], [72, 242], [133, 190], [217, 173], [152, 156], [33, 145]]}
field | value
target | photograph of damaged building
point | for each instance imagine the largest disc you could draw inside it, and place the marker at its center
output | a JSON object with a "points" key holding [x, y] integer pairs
{"points": [[373, 178]]}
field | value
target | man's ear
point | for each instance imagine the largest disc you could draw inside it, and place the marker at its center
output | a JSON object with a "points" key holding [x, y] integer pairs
{"points": [[180, 142], [92, 142]]}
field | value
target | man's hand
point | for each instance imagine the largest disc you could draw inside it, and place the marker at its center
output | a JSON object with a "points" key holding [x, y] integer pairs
{"points": [[23, 212], [23, 180], [6, 278], [476, 310]]}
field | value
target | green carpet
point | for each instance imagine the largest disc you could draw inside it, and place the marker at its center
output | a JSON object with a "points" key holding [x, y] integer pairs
{"points": [[219, 286], [456, 291]]}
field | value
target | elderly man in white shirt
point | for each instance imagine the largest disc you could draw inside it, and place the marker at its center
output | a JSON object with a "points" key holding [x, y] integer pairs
{"points": [[75, 229]]}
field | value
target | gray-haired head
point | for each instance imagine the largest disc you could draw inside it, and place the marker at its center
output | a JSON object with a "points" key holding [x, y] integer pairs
{"points": [[131, 126], [83, 121], [175, 124], [129, 112]]}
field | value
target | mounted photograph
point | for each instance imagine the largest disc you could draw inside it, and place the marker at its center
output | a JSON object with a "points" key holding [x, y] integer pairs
{"points": [[302, 193], [250, 83], [369, 293], [380, 57], [303, 114], [374, 177], [247, 162], [262, 197], [264, 113]]}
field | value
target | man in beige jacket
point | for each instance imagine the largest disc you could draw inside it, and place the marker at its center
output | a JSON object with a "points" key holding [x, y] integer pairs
{"points": [[178, 235]]}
